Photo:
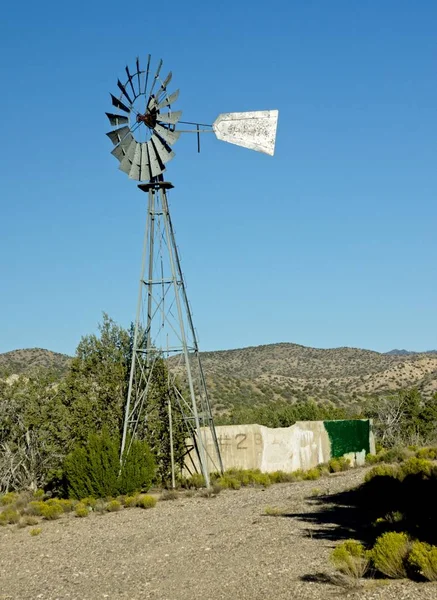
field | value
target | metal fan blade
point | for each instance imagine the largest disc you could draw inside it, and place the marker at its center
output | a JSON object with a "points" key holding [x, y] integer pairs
{"points": [[120, 150], [152, 103], [117, 119], [169, 99], [169, 136], [129, 78], [145, 166], [118, 134], [119, 104], [255, 130], [172, 117], [165, 83], [123, 91], [126, 162], [164, 153], [156, 76], [138, 73], [156, 167], [147, 74], [134, 172]]}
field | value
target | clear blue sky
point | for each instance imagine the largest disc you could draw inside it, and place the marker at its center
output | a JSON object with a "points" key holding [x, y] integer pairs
{"points": [[332, 242]]}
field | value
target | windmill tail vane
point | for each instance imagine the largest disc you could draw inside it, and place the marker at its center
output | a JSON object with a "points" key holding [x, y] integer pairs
{"points": [[143, 133]]}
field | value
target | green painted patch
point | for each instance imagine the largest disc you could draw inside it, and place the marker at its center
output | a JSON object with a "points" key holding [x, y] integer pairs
{"points": [[348, 436]]}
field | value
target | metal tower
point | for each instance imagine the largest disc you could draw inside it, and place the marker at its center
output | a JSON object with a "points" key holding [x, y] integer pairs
{"points": [[164, 325]]}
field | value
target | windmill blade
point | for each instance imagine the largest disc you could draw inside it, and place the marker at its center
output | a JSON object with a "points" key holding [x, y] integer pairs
{"points": [[156, 167], [126, 162], [169, 136], [117, 119], [147, 74], [171, 117], [129, 78], [156, 76], [164, 84], [169, 99], [120, 150], [134, 172], [123, 91], [255, 130], [119, 104], [145, 164], [138, 73], [118, 134], [164, 152]]}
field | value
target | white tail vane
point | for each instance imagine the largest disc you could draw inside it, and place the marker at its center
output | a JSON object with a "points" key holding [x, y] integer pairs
{"points": [[255, 130]]}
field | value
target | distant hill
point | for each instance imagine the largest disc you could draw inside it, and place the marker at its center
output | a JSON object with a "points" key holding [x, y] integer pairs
{"points": [[289, 372], [408, 352], [23, 362]]}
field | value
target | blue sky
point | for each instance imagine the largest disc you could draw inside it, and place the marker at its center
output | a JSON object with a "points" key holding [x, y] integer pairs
{"points": [[332, 242]]}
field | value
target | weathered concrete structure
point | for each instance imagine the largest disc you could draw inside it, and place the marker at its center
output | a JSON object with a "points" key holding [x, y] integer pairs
{"points": [[301, 446]]}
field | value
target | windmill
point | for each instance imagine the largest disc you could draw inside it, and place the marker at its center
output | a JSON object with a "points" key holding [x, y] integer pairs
{"points": [[143, 134]]}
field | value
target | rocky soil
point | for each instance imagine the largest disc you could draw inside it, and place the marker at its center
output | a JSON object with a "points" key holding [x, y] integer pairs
{"points": [[192, 548]]}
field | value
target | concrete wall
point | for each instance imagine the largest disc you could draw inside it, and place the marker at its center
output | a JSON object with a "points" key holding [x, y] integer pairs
{"points": [[301, 446]]}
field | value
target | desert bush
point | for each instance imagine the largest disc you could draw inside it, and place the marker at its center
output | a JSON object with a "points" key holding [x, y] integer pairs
{"points": [[35, 531], [38, 494], [429, 453], [316, 492], [113, 506], [89, 501], [216, 487], [100, 507], [273, 511], [169, 495], [130, 501], [279, 477], [67, 505], [207, 492], [146, 501], [196, 481], [8, 498], [312, 474], [26, 521], [389, 554], [382, 471], [93, 470], [351, 559], [229, 482], [297, 475], [81, 510], [52, 511], [35, 507], [415, 466], [261, 479], [9, 516], [423, 559], [372, 459], [334, 465]]}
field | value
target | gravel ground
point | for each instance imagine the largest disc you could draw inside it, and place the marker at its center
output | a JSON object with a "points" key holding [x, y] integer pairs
{"points": [[224, 547]]}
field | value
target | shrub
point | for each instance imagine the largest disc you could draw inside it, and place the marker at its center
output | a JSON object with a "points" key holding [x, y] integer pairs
{"points": [[423, 558], [9, 516], [351, 559], [27, 520], [372, 459], [312, 474], [93, 470], [146, 501], [334, 465], [262, 479], [67, 505], [279, 477], [216, 488], [382, 471], [297, 475], [390, 553], [35, 507], [38, 494], [35, 531], [427, 453], [196, 481], [52, 511], [396, 455], [100, 507], [415, 466], [169, 495], [113, 506], [8, 498], [273, 511], [229, 482], [316, 492], [206, 492], [81, 510], [345, 463], [130, 501]]}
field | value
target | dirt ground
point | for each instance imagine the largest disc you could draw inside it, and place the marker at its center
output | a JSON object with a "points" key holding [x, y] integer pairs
{"points": [[223, 547]]}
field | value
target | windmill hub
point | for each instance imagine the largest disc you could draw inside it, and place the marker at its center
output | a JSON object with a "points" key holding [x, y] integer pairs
{"points": [[148, 118]]}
